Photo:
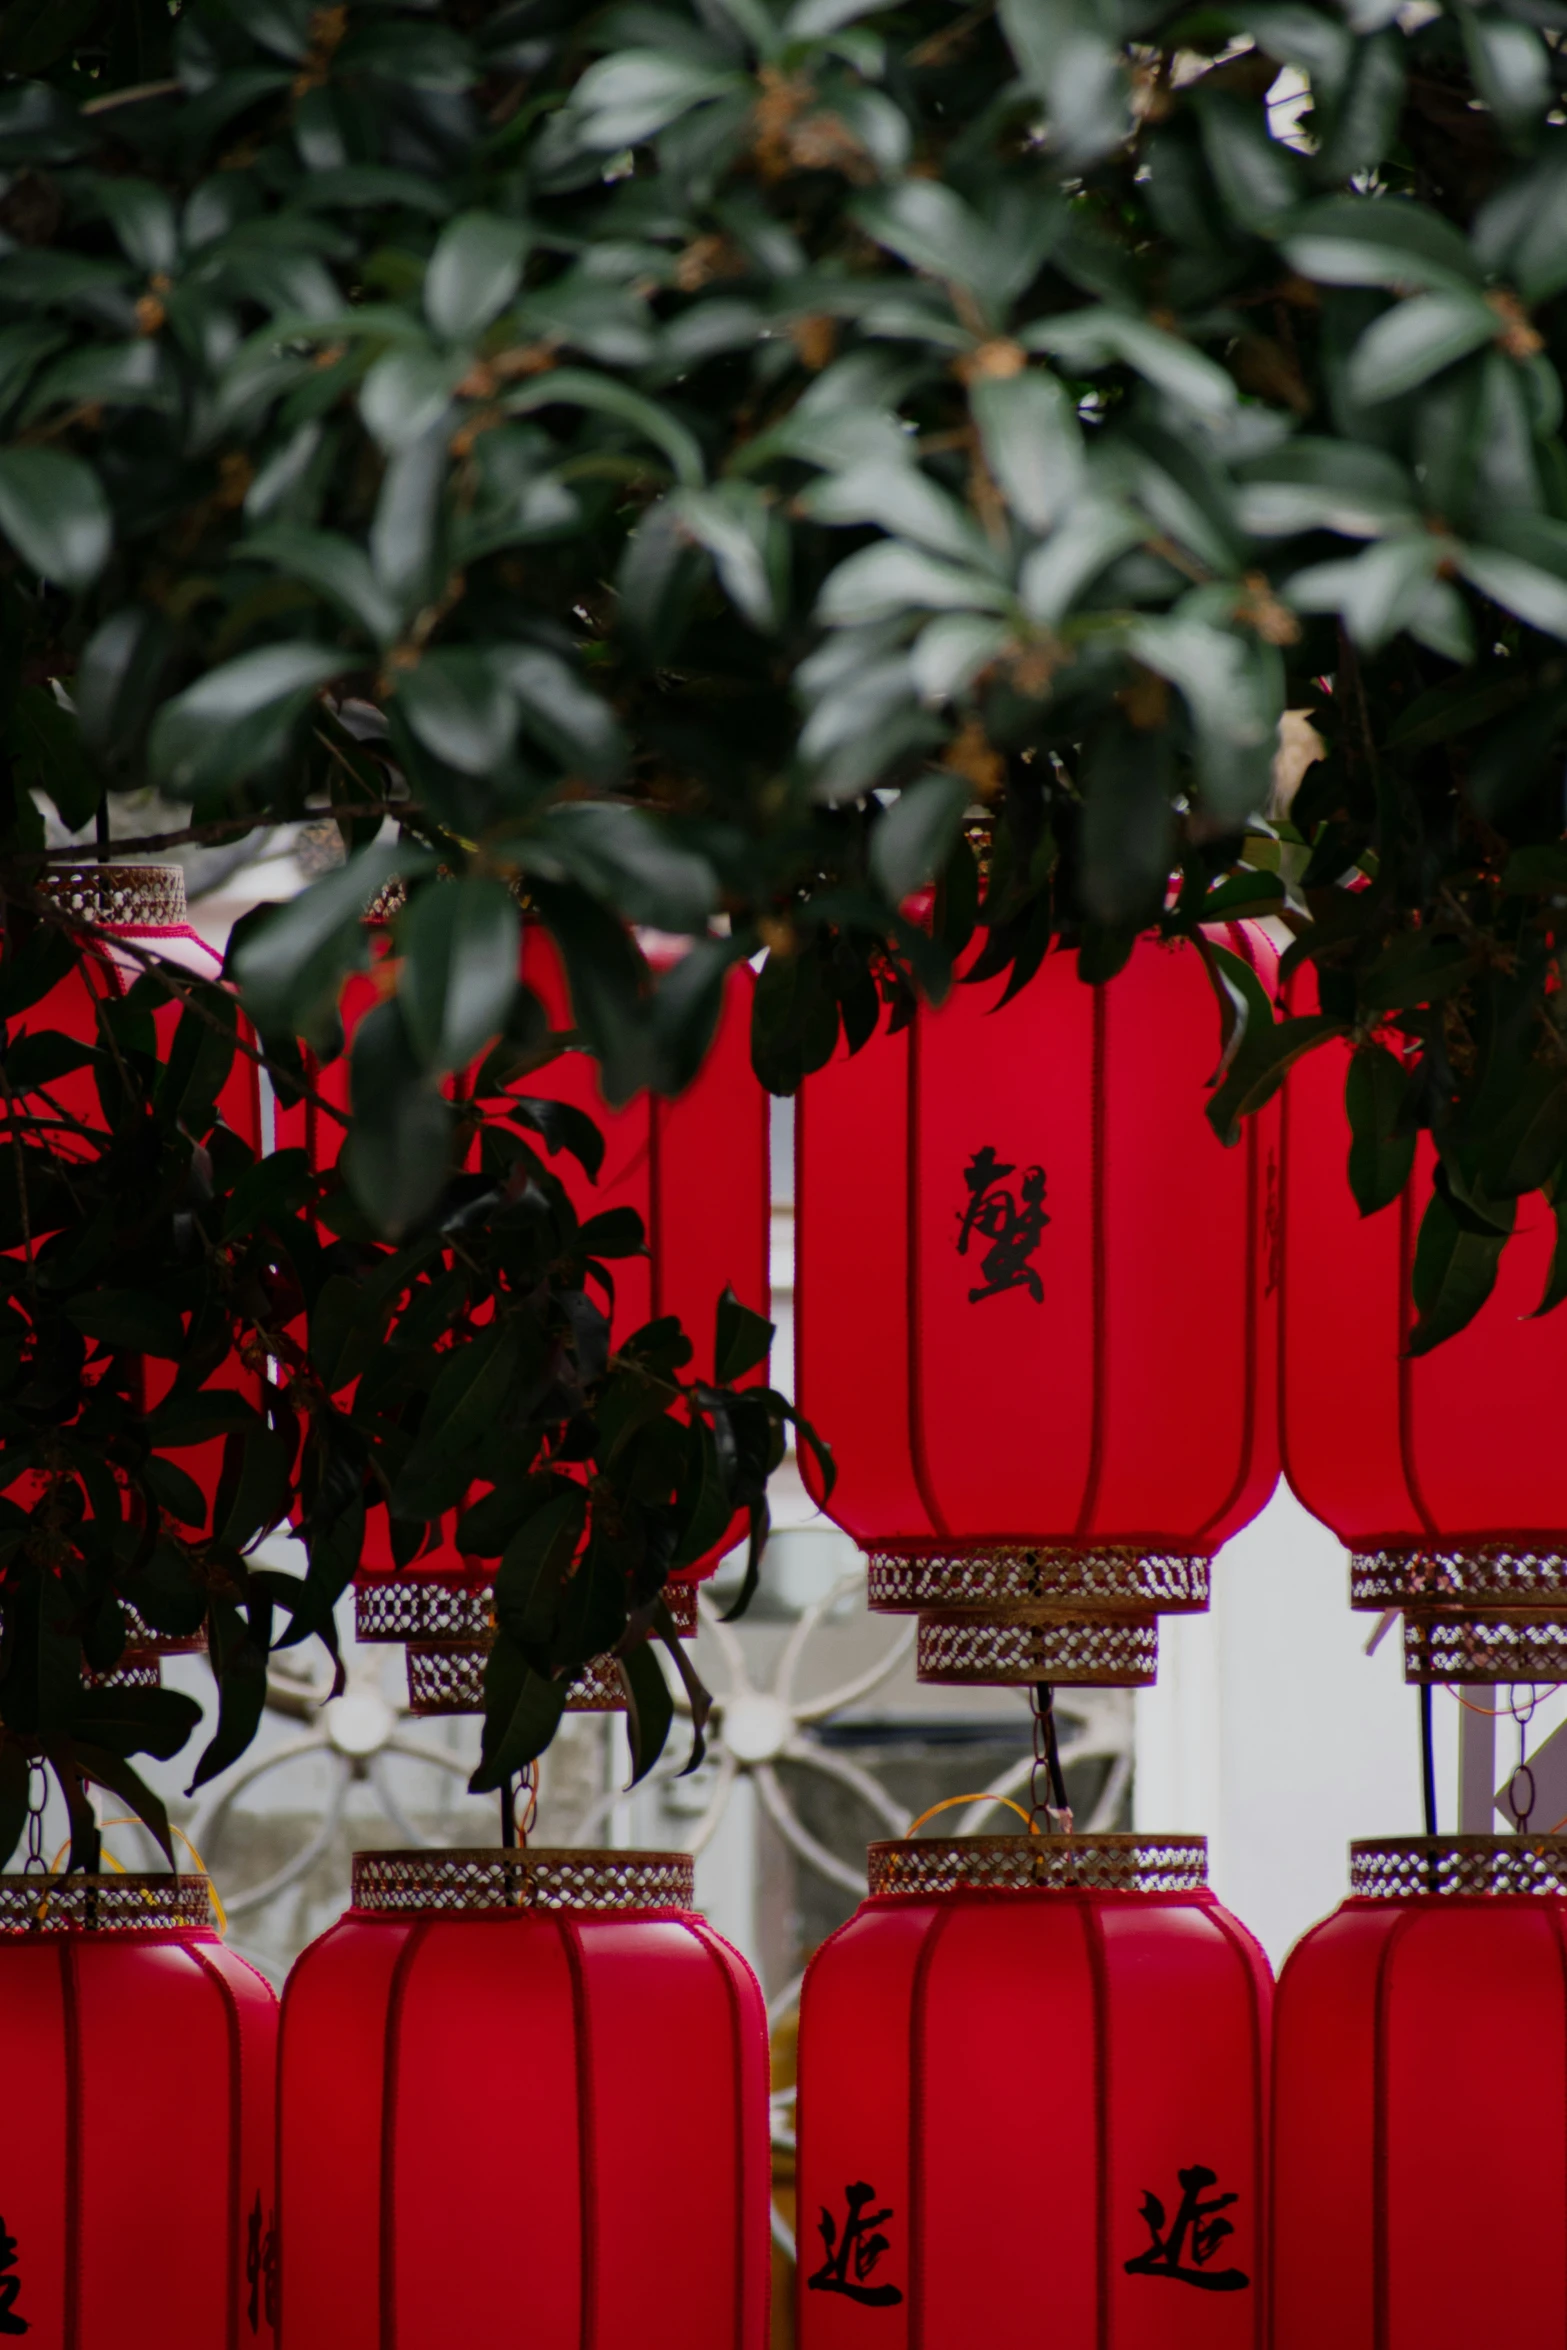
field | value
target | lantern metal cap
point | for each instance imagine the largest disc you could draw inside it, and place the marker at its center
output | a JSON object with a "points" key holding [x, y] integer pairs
{"points": [[1013, 1582], [129, 1904], [490, 1879], [1413, 1868], [924, 1865], [142, 897], [1079, 1652]]}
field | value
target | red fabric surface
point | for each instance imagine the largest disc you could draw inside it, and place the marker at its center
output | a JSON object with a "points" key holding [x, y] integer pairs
{"points": [[1115, 1383], [1012, 2074], [144, 2065], [1419, 2204], [548, 2128]]}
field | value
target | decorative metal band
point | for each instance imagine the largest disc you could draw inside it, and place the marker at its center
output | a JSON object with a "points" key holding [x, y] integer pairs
{"points": [[104, 1905], [133, 1672], [445, 1680], [413, 1607], [142, 1642], [1494, 1574], [148, 897], [1121, 1653], [1410, 1868], [1030, 1585], [1485, 1648], [1030, 1864], [424, 1883]]}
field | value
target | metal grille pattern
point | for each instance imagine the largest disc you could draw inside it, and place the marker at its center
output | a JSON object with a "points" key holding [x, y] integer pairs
{"points": [[1490, 1572], [1038, 1582], [406, 1607], [1120, 1653], [130, 1904], [1408, 1868], [149, 896], [1013, 1864], [445, 1680], [419, 1883], [1485, 1648]]}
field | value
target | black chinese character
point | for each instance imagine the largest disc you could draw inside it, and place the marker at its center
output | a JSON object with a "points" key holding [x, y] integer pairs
{"points": [[1012, 1227], [857, 2250], [10, 2287], [261, 2269], [1195, 2222]]}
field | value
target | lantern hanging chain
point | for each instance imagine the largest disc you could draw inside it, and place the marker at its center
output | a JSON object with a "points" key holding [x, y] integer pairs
{"points": [[1522, 1789], [1047, 1784], [37, 1796], [515, 1834]]}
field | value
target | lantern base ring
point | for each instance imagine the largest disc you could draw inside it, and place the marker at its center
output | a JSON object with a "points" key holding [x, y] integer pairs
{"points": [[1485, 1574], [143, 897], [1038, 1581], [1117, 1652], [445, 1678], [491, 1878], [1482, 1647], [923, 1865], [1411, 1868]]}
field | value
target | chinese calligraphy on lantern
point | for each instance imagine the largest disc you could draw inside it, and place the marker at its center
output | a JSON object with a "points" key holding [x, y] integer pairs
{"points": [[853, 2254], [261, 2269], [1006, 1227], [1183, 2250], [11, 2321]]}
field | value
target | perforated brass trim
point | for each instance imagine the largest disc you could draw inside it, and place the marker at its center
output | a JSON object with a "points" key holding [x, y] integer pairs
{"points": [[449, 1680], [408, 1883], [133, 1672], [143, 896], [1408, 1868], [141, 1641], [1022, 1864], [1038, 1583], [131, 1904], [1485, 1648], [1121, 1653], [1494, 1574], [411, 1607]]}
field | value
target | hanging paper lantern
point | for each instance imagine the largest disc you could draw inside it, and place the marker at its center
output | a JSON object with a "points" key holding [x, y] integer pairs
{"points": [[1420, 2192], [1032, 2103], [1034, 1315], [1443, 1474], [136, 2164], [523, 2097], [695, 1170], [139, 910]]}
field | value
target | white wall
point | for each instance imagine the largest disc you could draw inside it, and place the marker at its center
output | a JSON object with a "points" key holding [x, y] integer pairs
{"points": [[1274, 1734]]}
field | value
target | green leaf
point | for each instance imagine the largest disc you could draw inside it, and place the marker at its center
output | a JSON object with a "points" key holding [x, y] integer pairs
{"points": [[1032, 442], [1234, 687], [136, 1721], [1416, 340], [735, 524], [1128, 828], [398, 1153], [534, 1569], [633, 95], [461, 942], [1518, 586], [473, 273], [522, 1711], [1512, 69], [55, 515], [458, 710], [1260, 1068], [1416, 968], [291, 966], [139, 1321], [741, 1340], [46, 743], [334, 568], [407, 393], [882, 582], [601, 394], [239, 1658], [1093, 535], [1555, 1289], [1257, 176], [562, 1127], [1378, 593], [1317, 484], [630, 859], [122, 1780], [1087, 339], [118, 677], [562, 714], [1063, 52], [1380, 1157], [913, 838], [1380, 241], [470, 1390], [1529, 1140], [1456, 1261], [237, 718], [650, 1706]]}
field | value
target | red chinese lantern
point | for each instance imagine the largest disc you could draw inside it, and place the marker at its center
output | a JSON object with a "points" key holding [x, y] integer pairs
{"points": [[695, 1169], [1032, 2095], [1443, 1473], [136, 2166], [523, 2096], [1419, 2191], [1034, 1315], [138, 911]]}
